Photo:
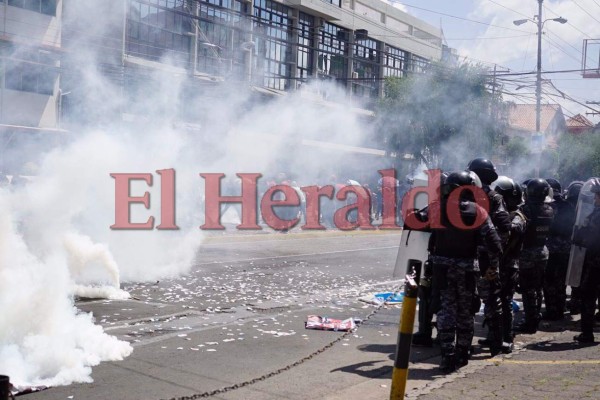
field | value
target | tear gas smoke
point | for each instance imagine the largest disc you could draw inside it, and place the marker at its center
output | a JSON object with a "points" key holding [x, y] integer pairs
{"points": [[56, 242]]}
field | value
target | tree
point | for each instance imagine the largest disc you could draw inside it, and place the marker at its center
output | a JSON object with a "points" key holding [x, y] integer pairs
{"points": [[579, 157], [443, 118]]}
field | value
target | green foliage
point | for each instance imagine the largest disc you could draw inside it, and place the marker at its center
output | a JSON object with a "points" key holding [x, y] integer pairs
{"points": [[579, 157], [444, 117], [515, 150]]}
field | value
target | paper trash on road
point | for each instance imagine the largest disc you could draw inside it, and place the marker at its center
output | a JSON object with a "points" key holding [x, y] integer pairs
{"points": [[329, 324], [384, 297]]}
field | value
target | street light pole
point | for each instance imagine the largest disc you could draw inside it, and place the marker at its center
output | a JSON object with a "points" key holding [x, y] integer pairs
{"points": [[538, 83]]}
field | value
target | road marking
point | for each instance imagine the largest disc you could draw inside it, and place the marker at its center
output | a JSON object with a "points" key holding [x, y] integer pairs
{"points": [[545, 362], [274, 237], [295, 255]]}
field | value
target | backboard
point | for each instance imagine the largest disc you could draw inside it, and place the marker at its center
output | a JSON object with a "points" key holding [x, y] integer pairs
{"points": [[590, 65]]}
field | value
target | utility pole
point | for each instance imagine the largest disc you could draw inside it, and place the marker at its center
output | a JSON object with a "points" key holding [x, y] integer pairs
{"points": [[538, 84], [592, 112]]}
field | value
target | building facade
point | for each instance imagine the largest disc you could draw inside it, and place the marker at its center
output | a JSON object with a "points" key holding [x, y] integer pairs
{"points": [[273, 46]]}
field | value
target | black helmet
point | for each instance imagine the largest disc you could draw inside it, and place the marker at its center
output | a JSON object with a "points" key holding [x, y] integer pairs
{"points": [[537, 190], [556, 187], [573, 191], [509, 190], [457, 179], [485, 169]]}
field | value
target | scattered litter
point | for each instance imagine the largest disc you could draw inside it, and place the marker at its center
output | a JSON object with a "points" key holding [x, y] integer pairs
{"points": [[211, 350], [328, 324], [516, 305], [384, 297], [19, 390], [390, 297]]}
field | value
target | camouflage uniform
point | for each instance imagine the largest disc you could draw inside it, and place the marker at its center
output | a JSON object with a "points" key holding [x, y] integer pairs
{"points": [[455, 275], [532, 262], [456, 279], [489, 292], [559, 246], [509, 273]]}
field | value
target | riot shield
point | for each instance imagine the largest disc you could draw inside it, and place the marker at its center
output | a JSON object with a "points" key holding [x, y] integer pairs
{"points": [[413, 247], [585, 206]]}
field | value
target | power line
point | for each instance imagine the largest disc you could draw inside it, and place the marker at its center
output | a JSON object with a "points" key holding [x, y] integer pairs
{"points": [[456, 17], [568, 23], [564, 71], [494, 37], [556, 45], [585, 11], [510, 9]]}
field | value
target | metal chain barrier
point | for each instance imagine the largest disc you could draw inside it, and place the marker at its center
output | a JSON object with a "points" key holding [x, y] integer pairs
{"points": [[288, 367]]}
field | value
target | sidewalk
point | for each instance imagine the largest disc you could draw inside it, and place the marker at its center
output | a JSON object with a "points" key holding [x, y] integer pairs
{"points": [[552, 367], [547, 365]]}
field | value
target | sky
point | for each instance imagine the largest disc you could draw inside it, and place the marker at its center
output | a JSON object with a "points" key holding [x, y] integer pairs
{"points": [[496, 40]]}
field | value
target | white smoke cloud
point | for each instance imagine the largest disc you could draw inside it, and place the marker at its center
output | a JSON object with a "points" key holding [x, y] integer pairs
{"points": [[55, 240]]}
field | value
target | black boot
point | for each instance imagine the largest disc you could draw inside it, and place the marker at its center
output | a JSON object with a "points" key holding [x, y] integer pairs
{"points": [[585, 338], [495, 335], [448, 363], [422, 339], [526, 327], [462, 357]]}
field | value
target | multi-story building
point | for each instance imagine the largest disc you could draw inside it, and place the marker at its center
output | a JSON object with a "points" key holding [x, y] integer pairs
{"points": [[273, 46], [30, 52]]}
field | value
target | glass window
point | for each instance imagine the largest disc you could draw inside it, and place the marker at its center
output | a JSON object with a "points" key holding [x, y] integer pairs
{"points": [[47, 7], [151, 29], [332, 58], [33, 71], [220, 37], [394, 61], [365, 68], [272, 27], [306, 25]]}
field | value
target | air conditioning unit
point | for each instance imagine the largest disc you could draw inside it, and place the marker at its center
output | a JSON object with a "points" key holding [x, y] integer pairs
{"points": [[354, 75], [361, 34]]}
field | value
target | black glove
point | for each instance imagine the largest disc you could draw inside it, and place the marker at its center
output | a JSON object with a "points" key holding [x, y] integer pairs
{"points": [[491, 274], [579, 236]]}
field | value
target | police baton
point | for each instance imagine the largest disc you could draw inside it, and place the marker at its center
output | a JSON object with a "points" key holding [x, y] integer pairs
{"points": [[405, 332]]}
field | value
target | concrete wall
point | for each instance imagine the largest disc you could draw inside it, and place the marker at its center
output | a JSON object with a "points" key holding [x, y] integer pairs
{"points": [[28, 109], [29, 27]]}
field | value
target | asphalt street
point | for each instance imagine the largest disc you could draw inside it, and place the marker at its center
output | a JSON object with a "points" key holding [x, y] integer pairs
{"points": [[239, 315]]}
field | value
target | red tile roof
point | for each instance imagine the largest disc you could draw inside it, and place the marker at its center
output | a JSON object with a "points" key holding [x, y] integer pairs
{"points": [[579, 121], [522, 116]]}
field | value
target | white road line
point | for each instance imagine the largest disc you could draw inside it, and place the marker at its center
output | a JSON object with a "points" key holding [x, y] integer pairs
{"points": [[295, 255]]}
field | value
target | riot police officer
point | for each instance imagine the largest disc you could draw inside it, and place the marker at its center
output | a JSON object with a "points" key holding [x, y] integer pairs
{"points": [[589, 237], [428, 295], [559, 247], [454, 249], [534, 255], [512, 194], [486, 171]]}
